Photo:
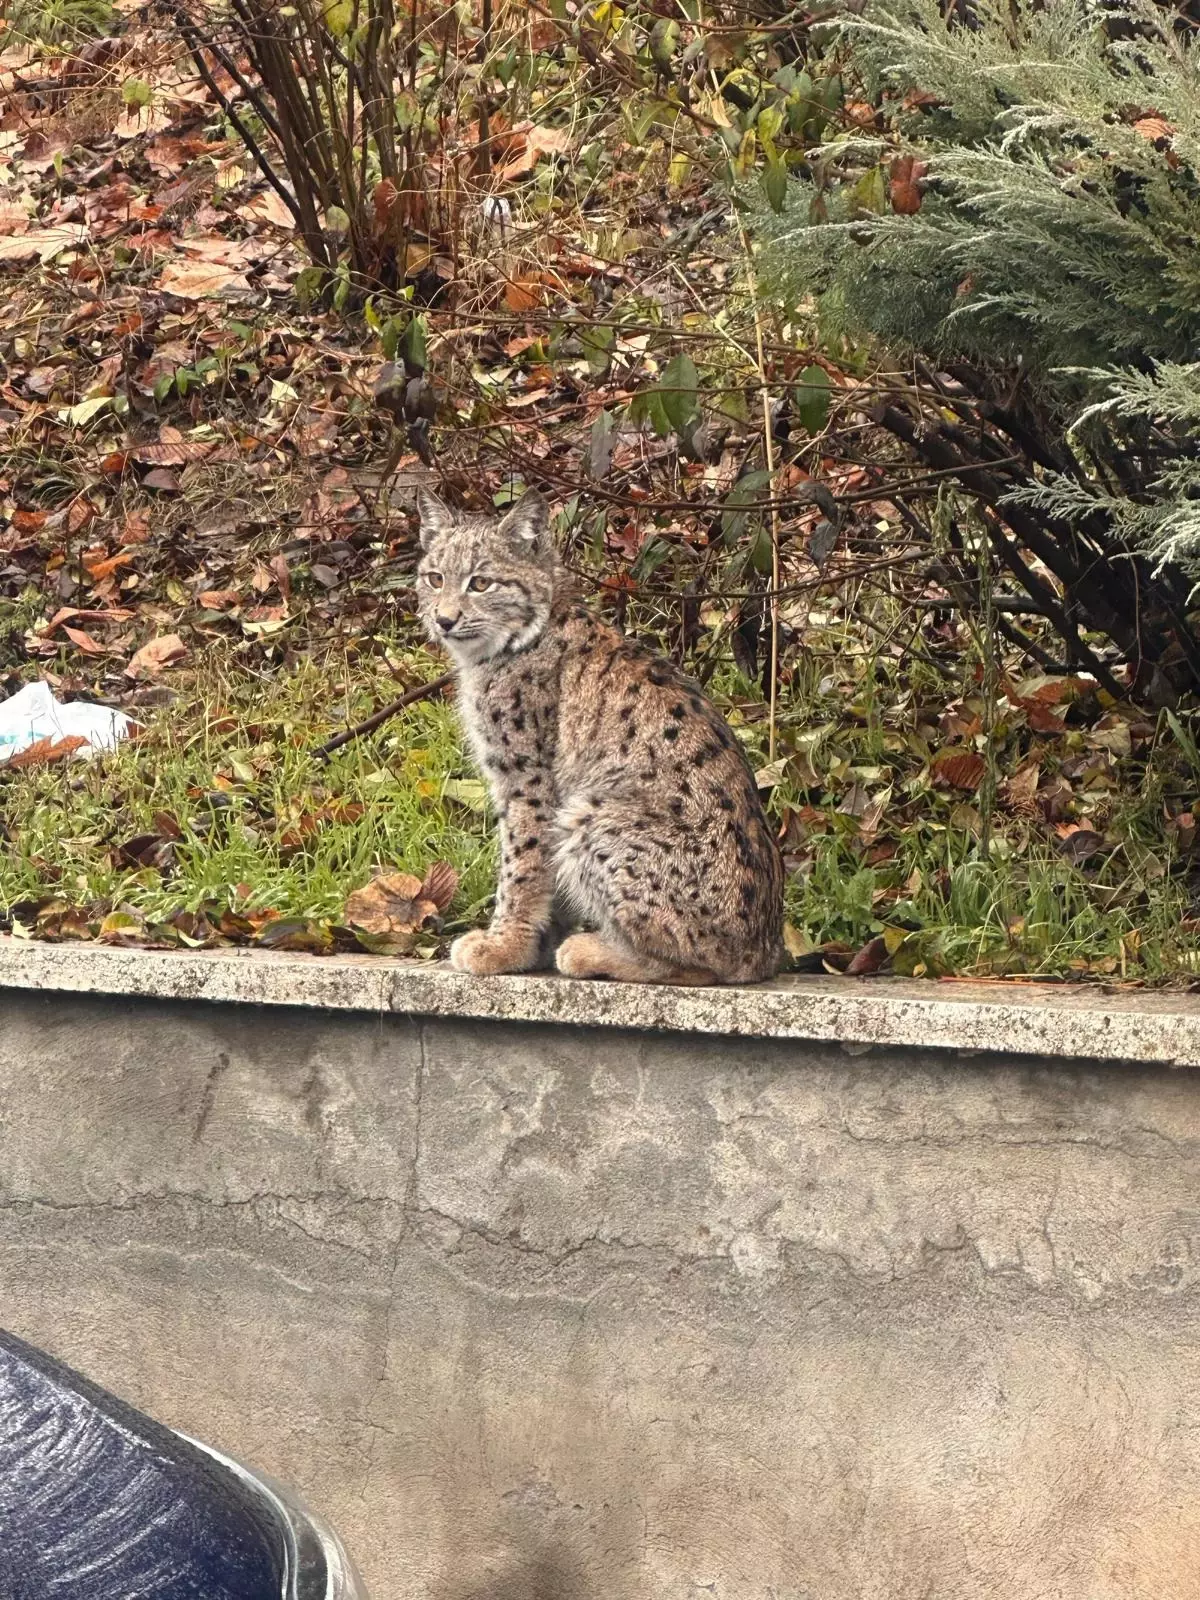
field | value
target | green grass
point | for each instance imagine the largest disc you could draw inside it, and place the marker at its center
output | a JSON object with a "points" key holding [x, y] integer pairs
{"points": [[1031, 915], [949, 895], [258, 825], [59, 22], [263, 823]]}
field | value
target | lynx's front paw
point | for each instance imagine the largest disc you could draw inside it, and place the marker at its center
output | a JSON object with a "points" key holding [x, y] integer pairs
{"points": [[486, 953]]}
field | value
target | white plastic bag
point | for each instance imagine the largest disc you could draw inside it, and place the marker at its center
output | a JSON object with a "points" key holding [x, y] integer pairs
{"points": [[33, 714]]}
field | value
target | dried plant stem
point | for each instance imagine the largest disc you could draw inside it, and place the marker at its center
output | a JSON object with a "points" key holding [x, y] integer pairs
{"points": [[483, 149], [760, 361], [769, 458], [423, 691]]}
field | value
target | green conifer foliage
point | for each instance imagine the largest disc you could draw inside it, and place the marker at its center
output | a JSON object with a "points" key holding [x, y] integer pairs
{"points": [[1039, 268]]}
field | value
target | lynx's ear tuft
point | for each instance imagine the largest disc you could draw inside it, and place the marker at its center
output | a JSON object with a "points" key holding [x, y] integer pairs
{"points": [[434, 515], [527, 525]]}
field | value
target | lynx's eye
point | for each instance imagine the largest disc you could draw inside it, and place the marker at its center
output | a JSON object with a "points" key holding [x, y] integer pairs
{"points": [[433, 579], [480, 584]]}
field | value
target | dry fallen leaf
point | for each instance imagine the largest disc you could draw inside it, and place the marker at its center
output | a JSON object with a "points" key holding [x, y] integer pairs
{"points": [[153, 657], [1040, 718], [218, 599], [904, 184], [138, 120], [441, 884], [79, 514], [386, 198], [125, 926], [105, 566], [869, 959], [518, 402], [389, 896], [267, 207], [294, 933], [1021, 790], [1051, 691], [136, 529], [66, 613], [527, 143], [45, 751], [960, 769], [1153, 128], [283, 578], [1112, 735], [147, 850], [522, 294], [42, 381], [860, 113], [202, 280], [387, 914], [1182, 829], [163, 479], [469, 792], [14, 216], [1080, 844], [42, 244], [305, 826], [549, 141], [85, 642], [171, 452]]}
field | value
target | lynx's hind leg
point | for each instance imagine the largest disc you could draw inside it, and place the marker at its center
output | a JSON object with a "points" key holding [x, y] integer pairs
{"points": [[592, 955]]}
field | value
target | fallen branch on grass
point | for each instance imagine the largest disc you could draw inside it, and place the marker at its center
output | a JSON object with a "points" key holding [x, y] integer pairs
{"points": [[423, 691]]}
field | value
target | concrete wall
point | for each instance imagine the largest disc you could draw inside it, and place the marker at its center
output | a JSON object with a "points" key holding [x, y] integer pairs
{"points": [[539, 1312]]}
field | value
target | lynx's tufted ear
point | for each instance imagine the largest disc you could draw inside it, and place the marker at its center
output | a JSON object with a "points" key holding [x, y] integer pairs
{"points": [[527, 525], [433, 513]]}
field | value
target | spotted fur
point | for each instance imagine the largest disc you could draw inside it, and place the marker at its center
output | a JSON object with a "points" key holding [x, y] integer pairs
{"points": [[627, 809]]}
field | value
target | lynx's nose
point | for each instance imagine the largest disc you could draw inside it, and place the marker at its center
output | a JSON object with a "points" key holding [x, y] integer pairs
{"points": [[444, 622]]}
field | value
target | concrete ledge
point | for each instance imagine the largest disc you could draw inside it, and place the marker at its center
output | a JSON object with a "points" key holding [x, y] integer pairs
{"points": [[1048, 1020], [539, 1296]]}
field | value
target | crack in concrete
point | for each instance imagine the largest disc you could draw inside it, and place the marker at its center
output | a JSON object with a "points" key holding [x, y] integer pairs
{"points": [[409, 1210], [418, 1114], [802, 1256], [25, 1205], [996, 1138], [167, 1196], [385, 1372], [596, 1240]]}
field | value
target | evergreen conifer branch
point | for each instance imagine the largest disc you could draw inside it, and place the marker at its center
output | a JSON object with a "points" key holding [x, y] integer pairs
{"points": [[1051, 266]]}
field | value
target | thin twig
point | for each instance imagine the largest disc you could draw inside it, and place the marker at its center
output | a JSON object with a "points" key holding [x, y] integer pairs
{"points": [[253, 95], [769, 457], [423, 691], [808, 586]]}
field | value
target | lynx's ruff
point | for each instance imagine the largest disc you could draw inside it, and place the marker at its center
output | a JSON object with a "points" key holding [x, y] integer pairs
{"points": [[625, 803]]}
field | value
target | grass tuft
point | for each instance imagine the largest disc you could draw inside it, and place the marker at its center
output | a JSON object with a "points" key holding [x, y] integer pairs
{"points": [[255, 822]]}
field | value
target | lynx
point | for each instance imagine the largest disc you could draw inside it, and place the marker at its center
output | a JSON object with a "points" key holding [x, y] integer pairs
{"points": [[627, 809]]}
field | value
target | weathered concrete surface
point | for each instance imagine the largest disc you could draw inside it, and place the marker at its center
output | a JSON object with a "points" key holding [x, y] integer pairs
{"points": [[540, 1313], [1019, 1019]]}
